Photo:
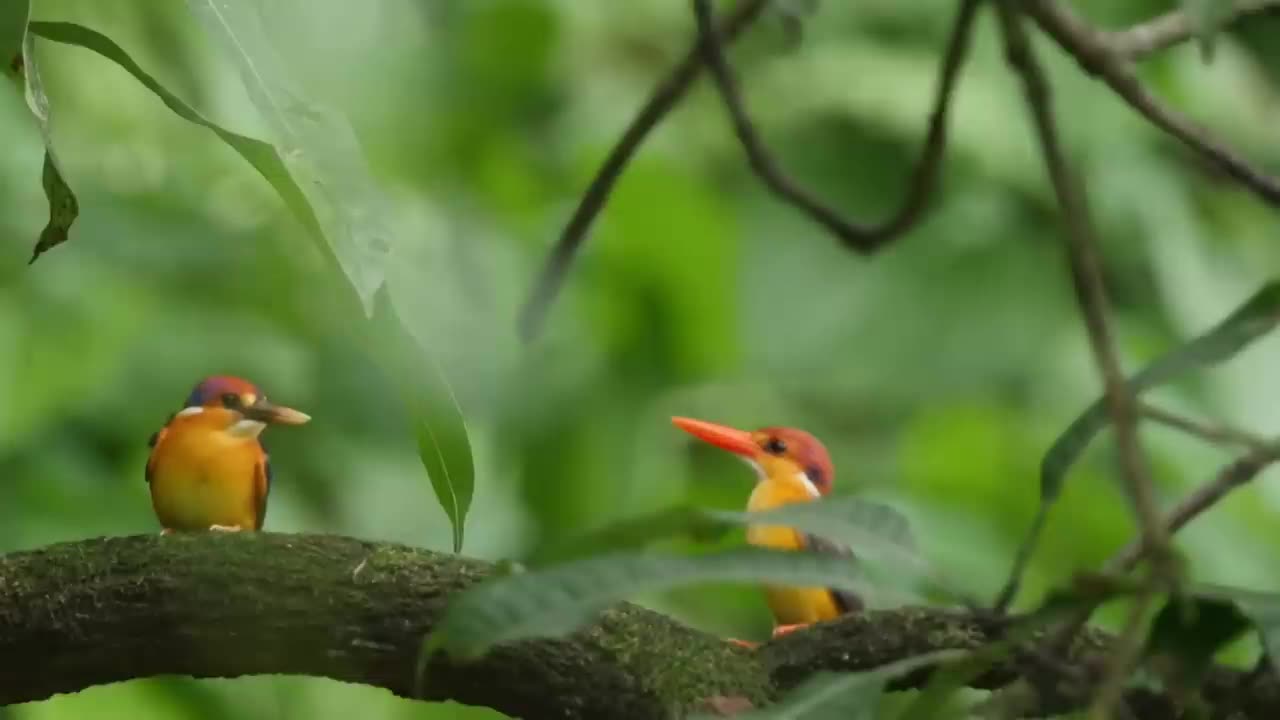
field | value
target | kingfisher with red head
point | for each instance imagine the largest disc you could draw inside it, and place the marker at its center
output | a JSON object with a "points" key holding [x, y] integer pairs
{"points": [[791, 466], [208, 470]]}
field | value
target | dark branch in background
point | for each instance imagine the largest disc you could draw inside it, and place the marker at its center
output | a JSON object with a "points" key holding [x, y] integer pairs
{"points": [[855, 236], [664, 97], [1086, 274], [1174, 27], [206, 605], [1089, 46], [672, 89]]}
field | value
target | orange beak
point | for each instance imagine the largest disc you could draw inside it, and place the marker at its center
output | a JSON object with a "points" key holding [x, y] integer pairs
{"points": [[722, 436]]}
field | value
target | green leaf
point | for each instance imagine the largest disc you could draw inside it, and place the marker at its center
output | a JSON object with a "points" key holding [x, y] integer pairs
{"points": [[877, 534], [632, 533], [557, 600], [13, 28], [1258, 316], [264, 158], [317, 144], [1261, 608], [845, 696], [1189, 630], [438, 424], [20, 63]]}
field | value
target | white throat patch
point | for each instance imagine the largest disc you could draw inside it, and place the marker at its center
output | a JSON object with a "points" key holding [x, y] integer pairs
{"points": [[808, 484], [246, 428]]}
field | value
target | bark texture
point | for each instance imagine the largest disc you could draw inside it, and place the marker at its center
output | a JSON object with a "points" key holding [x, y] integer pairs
{"points": [[206, 605]]}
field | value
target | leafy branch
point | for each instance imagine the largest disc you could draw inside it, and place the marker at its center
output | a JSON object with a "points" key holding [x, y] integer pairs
{"points": [[314, 163]]}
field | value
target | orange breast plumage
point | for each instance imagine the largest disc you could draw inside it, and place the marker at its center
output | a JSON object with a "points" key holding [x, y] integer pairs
{"points": [[203, 477]]}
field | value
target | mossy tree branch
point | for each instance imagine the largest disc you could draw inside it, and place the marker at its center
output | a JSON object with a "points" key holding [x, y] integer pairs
{"points": [[88, 613]]}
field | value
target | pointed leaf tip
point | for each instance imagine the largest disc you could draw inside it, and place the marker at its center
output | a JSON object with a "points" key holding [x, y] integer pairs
{"points": [[439, 427]]}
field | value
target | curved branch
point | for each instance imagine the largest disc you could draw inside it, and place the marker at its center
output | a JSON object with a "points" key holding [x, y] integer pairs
{"points": [[207, 605], [1089, 46], [669, 92], [663, 99], [856, 236]]}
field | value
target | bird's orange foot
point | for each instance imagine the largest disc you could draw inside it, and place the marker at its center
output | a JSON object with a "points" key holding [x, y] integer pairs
{"points": [[744, 643], [224, 528], [784, 629], [166, 531]]}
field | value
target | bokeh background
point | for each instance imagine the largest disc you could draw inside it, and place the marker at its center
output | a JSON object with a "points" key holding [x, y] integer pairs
{"points": [[937, 372]]}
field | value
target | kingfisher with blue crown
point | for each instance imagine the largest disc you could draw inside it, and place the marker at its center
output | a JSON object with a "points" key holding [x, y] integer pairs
{"points": [[208, 469]]}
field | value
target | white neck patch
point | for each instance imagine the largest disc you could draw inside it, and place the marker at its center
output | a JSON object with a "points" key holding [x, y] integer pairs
{"points": [[808, 484], [246, 428], [189, 411]]}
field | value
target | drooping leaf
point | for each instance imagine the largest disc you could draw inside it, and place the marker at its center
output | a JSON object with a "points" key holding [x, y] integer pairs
{"points": [[438, 424], [21, 66], [555, 601], [1258, 316], [317, 144], [264, 158], [845, 696]]}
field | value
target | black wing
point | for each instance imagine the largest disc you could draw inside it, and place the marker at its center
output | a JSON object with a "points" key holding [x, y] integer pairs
{"points": [[848, 602]]}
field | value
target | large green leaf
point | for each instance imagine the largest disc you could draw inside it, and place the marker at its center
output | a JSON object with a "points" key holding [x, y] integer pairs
{"points": [[317, 144], [557, 600], [17, 46], [438, 423], [334, 220], [1258, 316], [879, 536], [845, 696]]}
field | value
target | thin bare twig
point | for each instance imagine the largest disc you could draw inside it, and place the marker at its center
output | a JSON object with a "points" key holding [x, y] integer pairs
{"points": [[1234, 475], [664, 97], [1173, 27], [858, 237], [1090, 295], [1086, 276], [1122, 656], [1217, 434], [1090, 47], [672, 89]]}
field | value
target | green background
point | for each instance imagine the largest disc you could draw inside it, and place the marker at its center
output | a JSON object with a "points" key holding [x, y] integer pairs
{"points": [[937, 372]]}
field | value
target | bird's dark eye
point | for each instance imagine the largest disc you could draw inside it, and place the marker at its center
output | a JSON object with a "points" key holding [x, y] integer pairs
{"points": [[230, 400], [774, 446]]}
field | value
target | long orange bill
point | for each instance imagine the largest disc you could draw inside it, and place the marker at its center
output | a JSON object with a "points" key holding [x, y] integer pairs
{"points": [[722, 436]]}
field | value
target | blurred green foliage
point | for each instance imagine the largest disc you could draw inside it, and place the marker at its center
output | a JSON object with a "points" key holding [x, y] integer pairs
{"points": [[937, 372]]}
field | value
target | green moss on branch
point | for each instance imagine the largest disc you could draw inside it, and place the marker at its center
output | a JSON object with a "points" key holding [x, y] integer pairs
{"points": [[226, 605]]}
